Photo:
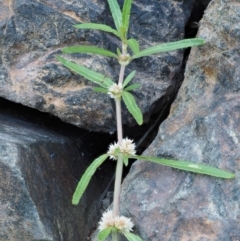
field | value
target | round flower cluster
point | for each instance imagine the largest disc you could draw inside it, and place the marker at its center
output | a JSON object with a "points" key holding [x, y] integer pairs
{"points": [[115, 91], [127, 147], [120, 222]]}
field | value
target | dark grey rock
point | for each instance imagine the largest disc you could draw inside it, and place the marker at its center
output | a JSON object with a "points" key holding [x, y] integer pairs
{"points": [[32, 33], [39, 171], [203, 127]]}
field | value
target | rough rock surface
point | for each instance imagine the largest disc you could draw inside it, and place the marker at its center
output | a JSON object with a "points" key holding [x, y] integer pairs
{"points": [[203, 127], [39, 170], [32, 32]]}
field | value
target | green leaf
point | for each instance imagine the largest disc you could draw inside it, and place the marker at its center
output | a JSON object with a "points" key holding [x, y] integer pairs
{"points": [[169, 47], [131, 236], [132, 87], [87, 73], [132, 107], [129, 78], [104, 233], [83, 183], [116, 14], [101, 90], [118, 52], [125, 160], [133, 44], [189, 166], [88, 49], [97, 26], [126, 14]]}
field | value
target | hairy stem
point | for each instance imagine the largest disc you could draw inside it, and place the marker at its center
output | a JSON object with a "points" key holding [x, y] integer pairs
{"points": [[121, 74], [117, 187], [118, 178]]}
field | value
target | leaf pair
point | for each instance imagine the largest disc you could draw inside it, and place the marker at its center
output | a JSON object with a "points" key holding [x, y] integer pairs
{"points": [[133, 44], [121, 19], [105, 83], [182, 165]]}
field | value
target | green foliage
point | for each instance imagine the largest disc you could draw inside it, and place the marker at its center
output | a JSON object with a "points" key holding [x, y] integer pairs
{"points": [[125, 160], [88, 49], [189, 166], [133, 44], [129, 78], [87, 73], [118, 52], [121, 20], [132, 87], [105, 233], [132, 107], [101, 90], [83, 183], [116, 14], [126, 16], [97, 26], [169, 47], [131, 236]]}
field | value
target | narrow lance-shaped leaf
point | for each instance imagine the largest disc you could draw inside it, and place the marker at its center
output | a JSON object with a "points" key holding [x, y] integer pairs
{"points": [[132, 107], [104, 233], [134, 45], [169, 47], [125, 160], [129, 78], [83, 183], [118, 52], [87, 73], [116, 14], [132, 87], [131, 236], [97, 26], [189, 166], [89, 49], [99, 89], [126, 14]]}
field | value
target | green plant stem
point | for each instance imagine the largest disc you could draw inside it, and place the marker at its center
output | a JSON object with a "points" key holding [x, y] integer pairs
{"points": [[117, 187], [118, 177], [121, 74], [119, 168]]}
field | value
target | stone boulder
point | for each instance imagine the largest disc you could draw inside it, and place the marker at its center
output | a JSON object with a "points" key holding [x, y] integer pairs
{"points": [[33, 32], [203, 127], [39, 170]]}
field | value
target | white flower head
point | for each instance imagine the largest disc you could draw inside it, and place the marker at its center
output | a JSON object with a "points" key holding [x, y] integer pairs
{"points": [[122, 223], [127, 147], [112, 151], [115, 91], [107, 220]]}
